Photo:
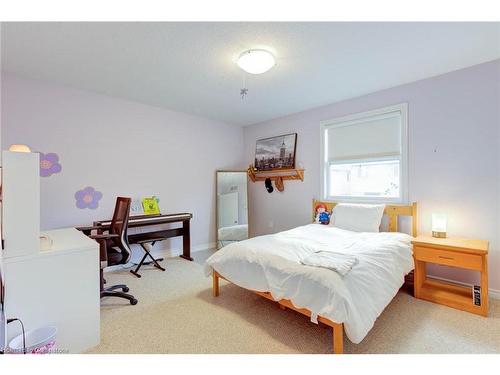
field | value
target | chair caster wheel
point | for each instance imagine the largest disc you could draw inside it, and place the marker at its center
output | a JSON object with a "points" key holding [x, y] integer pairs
{"points": [[133, 301], [125, 290]]}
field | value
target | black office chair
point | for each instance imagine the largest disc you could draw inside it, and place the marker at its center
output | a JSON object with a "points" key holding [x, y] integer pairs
{"points": [[114, 247]]}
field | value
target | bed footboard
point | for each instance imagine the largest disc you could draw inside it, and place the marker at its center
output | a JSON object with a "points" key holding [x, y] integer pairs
{"points": [[337, 328]]}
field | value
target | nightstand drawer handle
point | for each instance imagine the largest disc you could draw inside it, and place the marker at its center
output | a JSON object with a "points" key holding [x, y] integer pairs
{"points": [[449, 258]]}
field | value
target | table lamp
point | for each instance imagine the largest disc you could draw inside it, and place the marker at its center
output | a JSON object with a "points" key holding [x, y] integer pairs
{"points": [[439, 225]]}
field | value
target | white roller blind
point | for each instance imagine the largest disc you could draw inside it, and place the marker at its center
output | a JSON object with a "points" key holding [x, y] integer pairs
{"points": [[372, 137]]}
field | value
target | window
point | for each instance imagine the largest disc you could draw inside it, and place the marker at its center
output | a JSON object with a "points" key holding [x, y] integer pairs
{"points": [[364, 156]]}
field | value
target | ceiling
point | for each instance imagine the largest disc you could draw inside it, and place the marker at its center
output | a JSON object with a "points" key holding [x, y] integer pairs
{"points": [[190, 67]]}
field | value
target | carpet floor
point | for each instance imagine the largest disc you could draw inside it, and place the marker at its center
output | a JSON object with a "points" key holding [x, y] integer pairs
{"points": [[176, 313]]}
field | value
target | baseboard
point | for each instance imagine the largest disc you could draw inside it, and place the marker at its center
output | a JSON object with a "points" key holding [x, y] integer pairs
{"points": [[205, 246], [493, 293], [194, 249]]}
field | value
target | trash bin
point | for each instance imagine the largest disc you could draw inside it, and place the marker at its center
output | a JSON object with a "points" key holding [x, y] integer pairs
{"points": [[38, 341]]}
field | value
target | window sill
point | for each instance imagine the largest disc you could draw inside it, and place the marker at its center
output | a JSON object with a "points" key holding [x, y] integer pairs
{"points": [[375, 200]]}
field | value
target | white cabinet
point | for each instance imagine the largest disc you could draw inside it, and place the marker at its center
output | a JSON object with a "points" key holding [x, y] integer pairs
{"points": [[59, 287]]}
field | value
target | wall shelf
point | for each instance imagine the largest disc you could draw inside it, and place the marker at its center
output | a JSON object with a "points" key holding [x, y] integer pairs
{"points": [[283, 174]]}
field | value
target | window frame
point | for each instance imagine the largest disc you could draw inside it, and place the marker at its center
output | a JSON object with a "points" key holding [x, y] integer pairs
{"points": [[403, 157]]}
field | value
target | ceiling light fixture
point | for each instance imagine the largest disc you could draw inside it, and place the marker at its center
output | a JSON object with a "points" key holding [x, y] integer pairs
{"points": [[256, 61]]}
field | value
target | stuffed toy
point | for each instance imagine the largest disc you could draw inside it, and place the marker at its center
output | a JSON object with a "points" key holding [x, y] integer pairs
{"points": [[322, 214]]}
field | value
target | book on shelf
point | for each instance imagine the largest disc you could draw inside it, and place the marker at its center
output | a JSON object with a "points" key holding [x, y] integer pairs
{"points": [[476, 295]]}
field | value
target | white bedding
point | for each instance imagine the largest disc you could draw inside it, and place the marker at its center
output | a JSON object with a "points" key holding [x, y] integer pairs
{"points": [[339, 262], [233, 233], [272, 263]]}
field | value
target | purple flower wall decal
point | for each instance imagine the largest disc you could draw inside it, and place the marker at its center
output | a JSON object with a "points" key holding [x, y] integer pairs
{"points": [[49, 164], [88, 198]]}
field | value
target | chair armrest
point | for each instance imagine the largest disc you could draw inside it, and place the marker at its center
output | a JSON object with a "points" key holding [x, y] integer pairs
{"points": [[89, 228], [103, 236], [101, 240]]}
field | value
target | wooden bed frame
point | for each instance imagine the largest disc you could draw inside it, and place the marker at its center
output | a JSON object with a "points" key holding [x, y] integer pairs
{"points": [[392, 211]]}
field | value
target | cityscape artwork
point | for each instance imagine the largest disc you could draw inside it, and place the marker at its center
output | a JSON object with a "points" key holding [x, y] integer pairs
{"points": [[276, 152]]}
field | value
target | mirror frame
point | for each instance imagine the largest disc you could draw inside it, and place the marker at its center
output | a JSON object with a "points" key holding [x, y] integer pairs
{"points": [[217, 202]]}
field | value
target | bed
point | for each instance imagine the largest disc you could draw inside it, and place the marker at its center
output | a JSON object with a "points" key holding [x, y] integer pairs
{"points": [[271, 266]]}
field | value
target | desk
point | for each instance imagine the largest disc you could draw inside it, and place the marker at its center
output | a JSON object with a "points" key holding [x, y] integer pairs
{"points": [[159, 235]]}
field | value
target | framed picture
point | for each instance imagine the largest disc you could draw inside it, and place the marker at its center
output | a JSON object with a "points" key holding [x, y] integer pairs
{"points": [[276, 152]]}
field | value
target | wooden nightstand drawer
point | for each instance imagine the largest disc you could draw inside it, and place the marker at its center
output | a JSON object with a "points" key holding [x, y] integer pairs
{"points": [[448, 258]]}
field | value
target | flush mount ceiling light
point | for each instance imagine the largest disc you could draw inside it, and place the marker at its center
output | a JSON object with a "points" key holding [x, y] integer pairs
{"points": [[256, 61]]}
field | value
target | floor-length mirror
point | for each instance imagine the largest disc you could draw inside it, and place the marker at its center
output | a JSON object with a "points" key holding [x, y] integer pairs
{"points": [[232, 207]]}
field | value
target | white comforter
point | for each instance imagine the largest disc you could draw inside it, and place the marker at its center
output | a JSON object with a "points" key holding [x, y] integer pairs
{"points": [[272, 263]]}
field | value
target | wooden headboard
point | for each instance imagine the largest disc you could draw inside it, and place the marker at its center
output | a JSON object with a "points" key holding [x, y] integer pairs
{"points": [[392, 211]]}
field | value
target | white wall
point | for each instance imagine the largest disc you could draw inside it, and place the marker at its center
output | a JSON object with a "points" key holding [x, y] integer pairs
{"points": [[120, 148], [454, 159]]}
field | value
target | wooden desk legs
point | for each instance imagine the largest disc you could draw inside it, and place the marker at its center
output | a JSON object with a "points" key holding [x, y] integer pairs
{"points": [[186, 241]]}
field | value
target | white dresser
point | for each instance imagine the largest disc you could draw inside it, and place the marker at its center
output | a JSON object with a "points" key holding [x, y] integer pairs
{"points": [[56, 285], [59, 287]]}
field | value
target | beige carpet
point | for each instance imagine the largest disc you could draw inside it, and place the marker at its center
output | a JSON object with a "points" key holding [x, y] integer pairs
{"points": [[177, 314]]}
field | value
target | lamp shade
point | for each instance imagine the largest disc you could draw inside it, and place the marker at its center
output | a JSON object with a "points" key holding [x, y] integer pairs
{"points": [[19, 148], [439, 222]]}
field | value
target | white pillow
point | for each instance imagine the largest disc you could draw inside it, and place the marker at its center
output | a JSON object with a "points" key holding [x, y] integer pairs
{"points": [[358, 217]]}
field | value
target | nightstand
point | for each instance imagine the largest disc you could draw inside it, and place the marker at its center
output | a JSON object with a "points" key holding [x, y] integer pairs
{"points": [[455, 252]]}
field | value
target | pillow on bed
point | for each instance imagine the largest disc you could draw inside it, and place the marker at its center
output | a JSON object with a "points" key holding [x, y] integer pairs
{"points": [[358, 217]]}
